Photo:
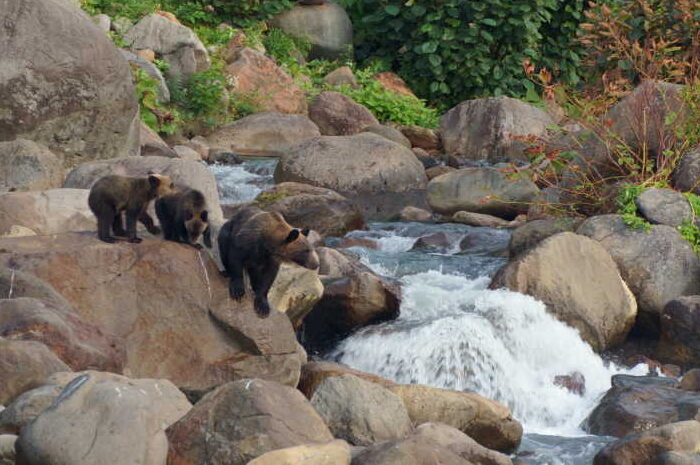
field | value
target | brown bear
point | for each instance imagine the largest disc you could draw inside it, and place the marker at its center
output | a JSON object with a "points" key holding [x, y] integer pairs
{"points": [[184, 217], [111, 195], [258, 241]]}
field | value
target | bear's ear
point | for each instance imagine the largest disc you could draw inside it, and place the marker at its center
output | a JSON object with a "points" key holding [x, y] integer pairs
{"points": [[204, 216], [305, 232], [153, 180], [293, 235]]}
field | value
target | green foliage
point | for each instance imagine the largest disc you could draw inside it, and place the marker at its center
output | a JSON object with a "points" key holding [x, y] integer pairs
{"points": [[626, 201], [450, 50], [246, 12], [156, 115], [286, 49], [689, 229]]}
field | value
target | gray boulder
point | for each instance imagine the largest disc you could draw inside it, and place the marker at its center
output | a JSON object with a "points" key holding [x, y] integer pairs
{"points": [[78, 99], [658, 265], [483, 129], [342, 76], [686, 177], [664, 206], [680, 327], [459, 443], [28, 166], [533, 232], [481, 190], [177, 44], [26, 407], [153, 71], [327, 27], [339, 115], [389, 133], [359, 411]]}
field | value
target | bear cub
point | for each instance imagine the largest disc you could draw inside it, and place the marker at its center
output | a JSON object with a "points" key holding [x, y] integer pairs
{"points": [[258, 241], [184, 217], [111, 195]]}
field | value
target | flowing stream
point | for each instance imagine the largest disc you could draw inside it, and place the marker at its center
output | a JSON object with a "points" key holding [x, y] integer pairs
{"points": [[455, 333]]}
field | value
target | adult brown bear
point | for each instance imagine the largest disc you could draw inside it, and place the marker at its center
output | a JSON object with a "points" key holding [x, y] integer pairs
{"points": [[258, 241]]}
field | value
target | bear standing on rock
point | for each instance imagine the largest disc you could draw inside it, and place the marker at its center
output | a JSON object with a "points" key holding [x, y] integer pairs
{"points": [[258, 241], [111, 195], [184, 217]]}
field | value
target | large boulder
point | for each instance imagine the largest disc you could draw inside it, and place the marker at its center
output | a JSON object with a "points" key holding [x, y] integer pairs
{"points": [[104, 418], [28, 166], [336, 114], [686, 177], [392, 82], [680, 331], [380, 176], [664, 206], [417, 449], [295, 291], [267, 133], [78, 99], [533, 232], [258, 79], [327, 27], [182, 172], [348, 303], [168, 302], [153, 145], [644, 448], [45, 212], [306, 206], [359, 411], [242, 420], [579, 283], [342, 76], [487, 422], [424, 138], [79, 344], [658, 264], [481, 190], [635, 404], [26, 407], [332, 453], [390, 133], [177, 44], [313, 373], [648, 116], [487, 128], [23, 365], [456, 441]]}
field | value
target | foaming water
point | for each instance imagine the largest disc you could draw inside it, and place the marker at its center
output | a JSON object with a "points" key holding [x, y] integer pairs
{"points": [[240, 183], [454, 333]]}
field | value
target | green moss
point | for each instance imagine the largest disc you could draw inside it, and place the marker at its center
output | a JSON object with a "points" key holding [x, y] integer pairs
{"points": [[266, 199]]}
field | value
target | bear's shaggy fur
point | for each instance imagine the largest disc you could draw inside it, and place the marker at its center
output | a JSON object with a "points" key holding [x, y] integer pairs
{"points": [[258, 241], [184, 217]]}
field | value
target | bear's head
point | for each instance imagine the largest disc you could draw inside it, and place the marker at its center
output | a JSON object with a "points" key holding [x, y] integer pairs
{"points": [[196, 224], [297, 249], [161, 185]]}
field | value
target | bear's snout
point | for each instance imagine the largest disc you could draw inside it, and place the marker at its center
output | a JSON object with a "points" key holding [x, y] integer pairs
{"points": [[313, 262]]}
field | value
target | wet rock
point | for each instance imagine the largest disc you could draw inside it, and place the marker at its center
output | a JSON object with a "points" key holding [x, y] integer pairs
{"points": [[487, 128], [336, 114], [152, 71], [691, 380], [42, 213], [436, 171], [23, 365], [26, 407], [177, 44], [342, 76], [77, 343], [336, 264], [200, 145], [481, 190], [686, 177], [264, 84], [333, 453], [182, 172], [381, 177], [438, 241], [168, 302], [347, 242], [295, 291], [104, 418], [415, 214], [388, 133], [487, 422], [327, 27], [658, 265], [360, 411], [81, 102], [644, 448], [313, 373], [680, 331], [349, 303], [424, 138], [28, 166], [392, 82], [306, 206], [267, 133], [459, 443], [152, 145], [486, 221], [186, 153], [532, 233], [664, 206], [242, 420], [635, 404], [574, 382], [579, 283], [425, 158]]}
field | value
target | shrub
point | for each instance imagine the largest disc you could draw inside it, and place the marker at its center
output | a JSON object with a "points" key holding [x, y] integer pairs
{"points": [[157, 116], [246, 12], [450, 50]]}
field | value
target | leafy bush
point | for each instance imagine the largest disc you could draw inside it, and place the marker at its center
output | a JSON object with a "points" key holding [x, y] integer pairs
{"points": [[286, 49], [629, 40], [157, 116], [246, 12], [450, 50]]}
